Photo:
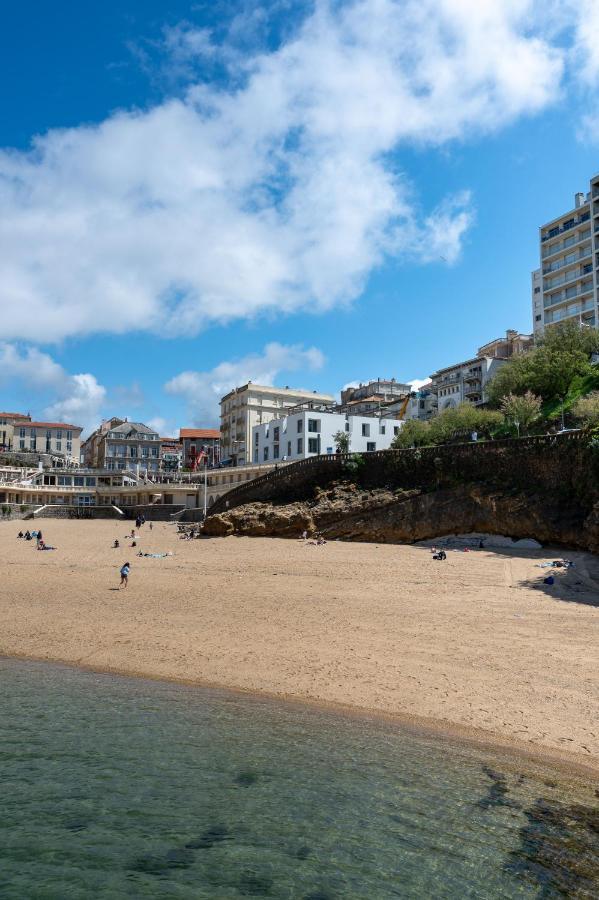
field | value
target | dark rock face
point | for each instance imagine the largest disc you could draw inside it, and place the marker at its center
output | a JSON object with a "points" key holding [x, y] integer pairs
{"points": [[345, 510]]}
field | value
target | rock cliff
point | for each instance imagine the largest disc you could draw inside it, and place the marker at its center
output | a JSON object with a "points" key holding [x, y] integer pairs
{"points": [[347, 511]]}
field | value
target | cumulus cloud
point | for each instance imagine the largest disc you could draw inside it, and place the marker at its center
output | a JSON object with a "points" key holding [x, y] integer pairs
{"points": [[78, 398], [202, 390], [276, 191]]}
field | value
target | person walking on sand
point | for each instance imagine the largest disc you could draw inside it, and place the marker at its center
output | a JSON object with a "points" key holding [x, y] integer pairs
{"points": [[125, 574]]}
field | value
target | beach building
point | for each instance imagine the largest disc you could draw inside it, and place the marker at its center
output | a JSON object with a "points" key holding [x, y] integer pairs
{"points": [[566, 287], [7, 427], [58, 440], [254, 404], [465, 382], [309, 429], [200, 443], [119, 445], [162, 495]]}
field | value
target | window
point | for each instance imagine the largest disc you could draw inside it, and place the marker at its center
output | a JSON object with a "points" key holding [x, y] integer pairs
{"points": [[312, 445], [300, 445], [145, 452], [537, 290], [365, 430], [69, 435], [59, 435], [370, 446], [347, 426], [65, 480], [256, 455], [382, 429], [275, 434], [256, 438], [275, 451], [22, 433], [265, 453], [288, 448], [133, 451], [78, 481], [537, 318], [69, 446], [396, 427], [90, 482], [300, 426], [32, 443], [313, 425]]}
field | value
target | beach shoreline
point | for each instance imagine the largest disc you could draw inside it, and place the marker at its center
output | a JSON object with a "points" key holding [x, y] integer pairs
{"points": [[567, 764], [478, 652]]}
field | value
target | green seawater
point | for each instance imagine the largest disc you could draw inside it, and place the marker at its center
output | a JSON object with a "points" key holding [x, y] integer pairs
{"points": [[122, 788]]}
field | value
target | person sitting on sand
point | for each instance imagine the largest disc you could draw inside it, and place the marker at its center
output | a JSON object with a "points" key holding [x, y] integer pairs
{"points": [[440, 555], [27, 536], [116, 544], [40, 545], [125, 574], [20, 534]]}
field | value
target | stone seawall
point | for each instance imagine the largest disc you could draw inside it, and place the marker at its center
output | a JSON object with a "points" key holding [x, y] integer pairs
{"points": [[546, 488]]}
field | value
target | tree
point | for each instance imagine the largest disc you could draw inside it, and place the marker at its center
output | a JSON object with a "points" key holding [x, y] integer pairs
{"points": [[521, 411], [454, 424], [548, 370], [341, 439], [586, 410]]}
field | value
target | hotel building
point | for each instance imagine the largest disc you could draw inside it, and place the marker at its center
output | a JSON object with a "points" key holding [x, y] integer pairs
{"points": [[565, 287], [59, 439], [254, 404]]}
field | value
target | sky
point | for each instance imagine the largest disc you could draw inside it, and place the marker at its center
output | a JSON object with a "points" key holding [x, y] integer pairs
{"points": [[193, 195]]}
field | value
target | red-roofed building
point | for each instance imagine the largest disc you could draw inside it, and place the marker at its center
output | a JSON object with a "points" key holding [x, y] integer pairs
{"points": [[19, 434], [199, 444]]}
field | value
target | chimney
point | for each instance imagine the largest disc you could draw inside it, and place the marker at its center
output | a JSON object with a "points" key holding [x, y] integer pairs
{"points": [[578, 199]]}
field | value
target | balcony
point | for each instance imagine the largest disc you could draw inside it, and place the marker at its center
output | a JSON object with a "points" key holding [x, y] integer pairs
{"points": [[567, 226], [473, 388], [561, 263]]}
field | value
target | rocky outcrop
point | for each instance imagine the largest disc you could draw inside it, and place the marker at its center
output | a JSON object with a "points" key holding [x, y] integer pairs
{"points": [[346, 511]]}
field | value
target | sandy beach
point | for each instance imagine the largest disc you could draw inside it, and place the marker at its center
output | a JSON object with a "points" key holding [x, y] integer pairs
{"points": [[476, 644]]}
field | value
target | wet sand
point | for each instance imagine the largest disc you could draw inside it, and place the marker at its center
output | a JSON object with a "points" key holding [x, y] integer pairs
{"points": [[475, 645]]}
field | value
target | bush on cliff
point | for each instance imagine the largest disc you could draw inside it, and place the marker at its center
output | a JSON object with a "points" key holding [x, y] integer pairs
{"points": [[452, 425], [586, 410], [561, 355]]}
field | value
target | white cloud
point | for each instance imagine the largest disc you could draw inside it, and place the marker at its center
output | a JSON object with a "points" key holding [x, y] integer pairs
{"points": [[417, 383], [280, 192], [202, 390], [78, 397]]}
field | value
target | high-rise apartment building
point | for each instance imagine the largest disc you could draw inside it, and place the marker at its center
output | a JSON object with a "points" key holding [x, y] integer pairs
{"points": [[566, 285], [254, 404]]}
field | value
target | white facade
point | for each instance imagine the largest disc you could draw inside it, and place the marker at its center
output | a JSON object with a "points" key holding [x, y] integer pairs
{"points": [[310, 432], [255, 404], [569, 247]]}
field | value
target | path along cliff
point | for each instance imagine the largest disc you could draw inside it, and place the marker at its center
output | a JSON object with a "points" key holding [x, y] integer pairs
{"points": [[545, 488]]}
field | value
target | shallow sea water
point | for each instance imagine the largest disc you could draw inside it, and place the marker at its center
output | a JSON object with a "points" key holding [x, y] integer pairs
{"points": [[115, 787]]}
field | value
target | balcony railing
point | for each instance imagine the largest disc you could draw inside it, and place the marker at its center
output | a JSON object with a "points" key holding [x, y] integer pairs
{"points": [[567, 226]]}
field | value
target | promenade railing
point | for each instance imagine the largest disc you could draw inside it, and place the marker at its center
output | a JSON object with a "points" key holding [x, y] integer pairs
{"points": [[291, 472]]}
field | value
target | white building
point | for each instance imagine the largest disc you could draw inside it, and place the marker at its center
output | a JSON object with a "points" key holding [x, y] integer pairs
{"points": [[254, 404], [309, 432], [568, 252]]}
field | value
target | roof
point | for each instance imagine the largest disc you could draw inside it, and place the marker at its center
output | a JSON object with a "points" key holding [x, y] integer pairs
{"points": [[127, 428], [198, 433], [14, 415], [271, 389], [55, 425]]}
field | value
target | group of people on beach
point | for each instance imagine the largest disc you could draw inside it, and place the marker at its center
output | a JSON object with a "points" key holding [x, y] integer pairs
{"points": [[37, 537]]}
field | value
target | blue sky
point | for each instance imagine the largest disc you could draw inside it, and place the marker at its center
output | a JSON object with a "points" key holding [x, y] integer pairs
{"points": [[194, 194]]}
